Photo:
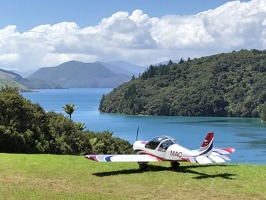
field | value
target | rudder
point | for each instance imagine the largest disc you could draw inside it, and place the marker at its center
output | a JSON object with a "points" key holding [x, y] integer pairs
{"points": [[207, 144]]}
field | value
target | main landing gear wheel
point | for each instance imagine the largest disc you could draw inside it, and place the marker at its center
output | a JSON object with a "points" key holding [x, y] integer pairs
{"points": [[175, 165], [143, 165]]}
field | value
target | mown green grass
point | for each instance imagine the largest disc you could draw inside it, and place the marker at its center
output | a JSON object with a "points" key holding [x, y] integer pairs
{"points": [[74, 177]]}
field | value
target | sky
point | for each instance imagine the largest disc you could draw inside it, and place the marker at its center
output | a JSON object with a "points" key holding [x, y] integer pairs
{"points": [[46, 33]]}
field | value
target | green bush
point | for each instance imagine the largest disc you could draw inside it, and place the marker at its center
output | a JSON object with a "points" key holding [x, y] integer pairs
{"points": [[26, 128]]}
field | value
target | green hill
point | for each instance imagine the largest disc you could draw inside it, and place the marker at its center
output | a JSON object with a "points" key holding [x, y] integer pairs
{"points": [[227, 84], [74, 74], [10, 83], [8, 78], [12, 79]]}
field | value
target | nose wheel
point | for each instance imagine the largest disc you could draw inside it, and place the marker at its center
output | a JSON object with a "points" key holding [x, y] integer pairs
{"points": [[175, 165]]}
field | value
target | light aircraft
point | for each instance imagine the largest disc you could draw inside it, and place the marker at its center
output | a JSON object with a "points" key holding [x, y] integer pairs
{"points": [[165, 148]]}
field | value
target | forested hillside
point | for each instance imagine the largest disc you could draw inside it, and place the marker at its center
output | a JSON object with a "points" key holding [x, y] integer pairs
{"points": [[227, 84]]}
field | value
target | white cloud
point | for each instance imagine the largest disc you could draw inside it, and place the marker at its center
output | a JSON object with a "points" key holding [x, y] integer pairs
{"points": [[237, 25], [8, 58], [137, 38]]}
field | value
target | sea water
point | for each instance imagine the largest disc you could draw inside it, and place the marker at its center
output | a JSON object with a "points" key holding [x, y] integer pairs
{"points": [[247, 135]]}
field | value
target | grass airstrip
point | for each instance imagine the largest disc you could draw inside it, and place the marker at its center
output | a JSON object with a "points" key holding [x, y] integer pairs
{"points": [[74, 177]]}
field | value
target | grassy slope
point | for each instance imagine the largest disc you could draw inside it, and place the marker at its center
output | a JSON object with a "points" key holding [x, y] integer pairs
{"points": [[8, 82], [74, 177]]}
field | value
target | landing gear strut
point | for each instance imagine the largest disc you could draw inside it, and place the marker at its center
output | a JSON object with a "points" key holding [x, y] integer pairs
{"points": [[175, 165], [143, 165]]}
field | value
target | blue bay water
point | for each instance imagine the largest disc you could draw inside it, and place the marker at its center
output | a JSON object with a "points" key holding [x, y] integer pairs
{"points": [[248, 136]]}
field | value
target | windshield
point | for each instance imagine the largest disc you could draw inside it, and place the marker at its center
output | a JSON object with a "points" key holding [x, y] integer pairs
{"points": [[163, 141]]}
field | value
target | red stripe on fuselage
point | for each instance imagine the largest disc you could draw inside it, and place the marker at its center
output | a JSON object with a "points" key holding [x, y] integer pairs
{"points": [[160, 158]]}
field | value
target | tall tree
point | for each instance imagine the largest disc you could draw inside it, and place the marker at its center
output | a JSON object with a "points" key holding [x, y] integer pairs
{"points": [[69, 109]]}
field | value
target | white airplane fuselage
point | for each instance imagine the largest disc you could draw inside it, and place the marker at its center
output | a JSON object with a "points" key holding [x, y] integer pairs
{"points": [[174, 152]]}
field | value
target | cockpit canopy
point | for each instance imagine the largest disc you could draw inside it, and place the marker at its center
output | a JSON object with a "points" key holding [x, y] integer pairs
{"points": [[162, 142]]}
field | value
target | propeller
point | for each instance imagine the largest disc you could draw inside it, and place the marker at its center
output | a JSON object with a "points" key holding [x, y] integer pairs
{"points": [[135, 140], [137, 133]]}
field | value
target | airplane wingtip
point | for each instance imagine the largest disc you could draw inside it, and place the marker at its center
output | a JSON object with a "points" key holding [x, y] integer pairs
{"points": [[91, 157]]}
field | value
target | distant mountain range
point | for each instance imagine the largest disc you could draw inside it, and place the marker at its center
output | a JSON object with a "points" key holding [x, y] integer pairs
{"points": [[124, 67], [74, 74]]}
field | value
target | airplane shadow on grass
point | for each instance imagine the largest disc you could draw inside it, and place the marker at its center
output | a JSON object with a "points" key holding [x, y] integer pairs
{"points": [[180, 169]]}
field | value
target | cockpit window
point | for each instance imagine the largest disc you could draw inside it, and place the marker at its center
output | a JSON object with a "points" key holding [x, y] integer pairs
{"points": [[165, 144], [154, 143]]}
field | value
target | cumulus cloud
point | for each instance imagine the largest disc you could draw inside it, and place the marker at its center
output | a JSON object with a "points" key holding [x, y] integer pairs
{"points": [[137, 38]]}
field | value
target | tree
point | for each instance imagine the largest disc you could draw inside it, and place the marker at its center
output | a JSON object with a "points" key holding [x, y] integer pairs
{"points": [[263, 112], [81, 126], [69, 109], [181, 61]]}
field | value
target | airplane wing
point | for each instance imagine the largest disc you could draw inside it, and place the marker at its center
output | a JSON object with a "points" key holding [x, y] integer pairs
{"points": [[123, 158]]}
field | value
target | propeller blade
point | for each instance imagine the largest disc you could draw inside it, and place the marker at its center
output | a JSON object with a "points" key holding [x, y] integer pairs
{"points": [[136, 140], [137, 133]]}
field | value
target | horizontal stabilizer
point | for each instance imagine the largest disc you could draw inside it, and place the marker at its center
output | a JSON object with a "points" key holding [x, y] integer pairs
{"points": [[123, 158], [208, 159], [223, 151]]}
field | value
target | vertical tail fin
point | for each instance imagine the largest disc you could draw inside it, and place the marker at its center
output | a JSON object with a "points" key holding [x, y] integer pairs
{"points": [[207, 144]]}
